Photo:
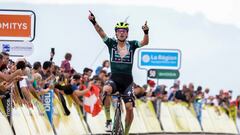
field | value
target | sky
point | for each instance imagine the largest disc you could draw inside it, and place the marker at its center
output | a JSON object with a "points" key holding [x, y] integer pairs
{"points": [[206, 31]]}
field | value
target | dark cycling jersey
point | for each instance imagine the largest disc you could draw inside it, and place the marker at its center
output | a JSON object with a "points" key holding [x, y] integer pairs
{"points": [[121, 68], [118, 64]]}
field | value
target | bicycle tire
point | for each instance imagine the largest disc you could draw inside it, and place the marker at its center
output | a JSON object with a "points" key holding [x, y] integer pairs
{"points": [[117, 125]]}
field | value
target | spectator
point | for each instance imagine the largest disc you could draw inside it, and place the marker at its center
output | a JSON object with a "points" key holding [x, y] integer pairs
{"points": [[206, 95], [88, 72], [172, 92], [180, 94], [238, 111], [46, 71], [4, 65], [198, 105], [105, 66], [65, 65], [190, 94], [213, 101], [23, 85], [151, 85], [238, 105], [36, 67], [224, 99]]}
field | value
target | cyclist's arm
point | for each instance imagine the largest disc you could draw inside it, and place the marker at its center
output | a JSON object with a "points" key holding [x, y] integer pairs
{"points": [[145, 40], [99, 29], [145, 37]]}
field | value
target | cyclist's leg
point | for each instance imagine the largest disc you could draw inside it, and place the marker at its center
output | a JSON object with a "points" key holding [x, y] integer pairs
{"points": [[107, 101], [129, 117], [108, 88], [129, 104]]}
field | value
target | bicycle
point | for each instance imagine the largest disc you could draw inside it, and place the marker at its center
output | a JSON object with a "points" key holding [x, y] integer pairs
{"points": [[117, 122]]}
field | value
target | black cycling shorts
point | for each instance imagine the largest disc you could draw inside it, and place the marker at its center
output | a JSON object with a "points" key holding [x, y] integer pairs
{"points": [[123, 84]]}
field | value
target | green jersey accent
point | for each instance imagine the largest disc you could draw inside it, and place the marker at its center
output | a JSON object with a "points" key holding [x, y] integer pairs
{"points": [[118, 64]]}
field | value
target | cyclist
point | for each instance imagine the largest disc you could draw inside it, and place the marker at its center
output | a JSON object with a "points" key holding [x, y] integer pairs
{"points": [[121, 53]]}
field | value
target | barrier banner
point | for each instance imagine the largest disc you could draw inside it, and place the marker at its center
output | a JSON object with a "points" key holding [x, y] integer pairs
{"points": [[230, 125], [7, 104], [138, 125], [149, 116], [58, 117], [175, 117], [213, 119], [191, 118], [5, 128], [72, 122], [179, 117], [19, 122], [97, 123], [48, 104], [38, 111], [238, 124], [31, 121], [207, 123], [233, 112], [83, 122], [217, 119], [2, 108], [166, 118]]}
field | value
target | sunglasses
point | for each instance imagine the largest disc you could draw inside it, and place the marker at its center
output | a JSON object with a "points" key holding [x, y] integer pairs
{"points": [[122, 30]]}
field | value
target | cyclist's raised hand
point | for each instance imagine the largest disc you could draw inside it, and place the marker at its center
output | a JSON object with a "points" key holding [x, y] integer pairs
{"points": [[99, 30], [145, 28], [145, 37], [91, 18]]}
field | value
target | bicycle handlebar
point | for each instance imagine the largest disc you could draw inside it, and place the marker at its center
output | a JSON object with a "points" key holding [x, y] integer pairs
{"points": [[116, 94]]}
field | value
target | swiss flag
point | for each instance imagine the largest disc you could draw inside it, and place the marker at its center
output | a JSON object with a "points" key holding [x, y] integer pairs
{"points": [[92, 102]]}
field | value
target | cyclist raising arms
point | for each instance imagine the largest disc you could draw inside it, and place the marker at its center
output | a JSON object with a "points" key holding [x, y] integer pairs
{"points": [[121, 53]]}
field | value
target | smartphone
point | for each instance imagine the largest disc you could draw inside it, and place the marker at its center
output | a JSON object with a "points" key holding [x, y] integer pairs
{"points": [[53, 50]]}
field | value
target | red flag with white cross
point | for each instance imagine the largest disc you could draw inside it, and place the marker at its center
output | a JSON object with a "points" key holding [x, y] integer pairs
{"points": [[92, 102]]}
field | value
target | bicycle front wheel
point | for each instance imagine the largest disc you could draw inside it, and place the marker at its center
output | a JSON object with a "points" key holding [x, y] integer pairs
{"points": [[117, 125]]}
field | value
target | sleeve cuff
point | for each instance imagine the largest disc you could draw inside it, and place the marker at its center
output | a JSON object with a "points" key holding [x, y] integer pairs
{"points": [[139, 44], [105, 39]]}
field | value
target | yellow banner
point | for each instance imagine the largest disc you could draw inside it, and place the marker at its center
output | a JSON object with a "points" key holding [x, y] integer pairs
{"points": [[207, 122], [72, 123], [2, 110], [41, 117], [179, 117], [149, 116], [216, 120], [19, 122], [5, 128], [167, 121], [233, 112], [191, 118]]}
